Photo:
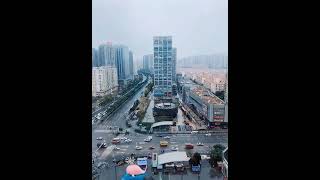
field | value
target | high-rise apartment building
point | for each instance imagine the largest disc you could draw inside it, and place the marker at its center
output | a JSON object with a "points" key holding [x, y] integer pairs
{"points": [[162, 53], [95, 58], [174, 64], [104, 80], [107, 55], [131, 64], [148, 62], [122, 63]]}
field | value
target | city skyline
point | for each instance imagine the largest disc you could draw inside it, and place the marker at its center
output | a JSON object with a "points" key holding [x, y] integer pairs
{"points": [[134, 23]]}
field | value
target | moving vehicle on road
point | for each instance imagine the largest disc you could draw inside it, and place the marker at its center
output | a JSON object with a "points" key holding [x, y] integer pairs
{"points": [[99, 138], [189, 146], [174, 149], [151, 147], [166, 137], [116, 148], [127, 140], [148, 139], [159, 135], [138, 147], [200, 144], [164, 143], [208, 134], [194, 132], [115, 141], [101, 145]]}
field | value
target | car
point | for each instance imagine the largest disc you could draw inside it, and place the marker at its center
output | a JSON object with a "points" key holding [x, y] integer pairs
{"points": [[116, 148], [120, 163], [159, 135], [151, 147], [209, 134], [101, 145], [104, 113], [188, 146], [127, 140], [200, 144], [167, 137], [163, 143], [194, 132], [138, 147], [123, 138], [99, 138], [147, 140], [174, 149]]}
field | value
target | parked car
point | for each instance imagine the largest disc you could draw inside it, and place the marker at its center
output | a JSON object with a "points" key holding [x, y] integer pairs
{"points": [[138, 147], [167, 137], [209, 134]]}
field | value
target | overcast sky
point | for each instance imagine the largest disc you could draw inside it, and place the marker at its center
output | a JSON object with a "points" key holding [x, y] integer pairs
{"points": [[196, 26]]}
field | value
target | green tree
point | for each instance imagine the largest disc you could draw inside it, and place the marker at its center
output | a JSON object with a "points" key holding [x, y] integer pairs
{"points": [[216, 154], [195, 159]]}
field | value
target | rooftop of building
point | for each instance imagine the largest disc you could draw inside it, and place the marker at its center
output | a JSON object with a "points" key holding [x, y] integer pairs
{"points": [[177, 156], [206, 96], [165, 105]]}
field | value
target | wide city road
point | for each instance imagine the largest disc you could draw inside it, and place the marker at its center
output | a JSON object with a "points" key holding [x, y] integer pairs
{"points": [[175, 140], [117, 119]]}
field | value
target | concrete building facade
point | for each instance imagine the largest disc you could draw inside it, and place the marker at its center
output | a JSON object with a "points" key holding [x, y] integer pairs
{"points": [[162, 48], [104, 80], [107, 55], [209, 106]]}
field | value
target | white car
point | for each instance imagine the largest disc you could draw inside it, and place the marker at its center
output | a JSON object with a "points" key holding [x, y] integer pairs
{"points": [[147, 140], [128, 140], [200, 144], [208, 134], [116, 148], [194, 132], [99, 138], [174, 149], [138, 147], [123, 138], [166, 137]]}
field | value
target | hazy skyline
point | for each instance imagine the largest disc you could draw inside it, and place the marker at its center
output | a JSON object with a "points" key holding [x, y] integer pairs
{"points": [[196, 26]]}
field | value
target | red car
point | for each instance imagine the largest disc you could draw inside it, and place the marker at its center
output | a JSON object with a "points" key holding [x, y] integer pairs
{"points": [[189, 146]]}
